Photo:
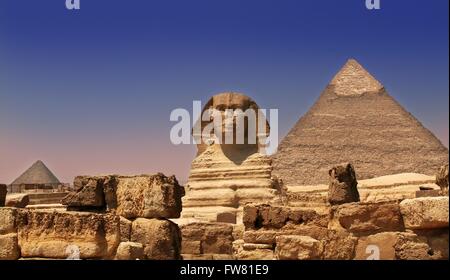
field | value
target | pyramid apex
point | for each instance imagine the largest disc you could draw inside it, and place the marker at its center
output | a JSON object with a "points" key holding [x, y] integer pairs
{"points": [[353, 80]]}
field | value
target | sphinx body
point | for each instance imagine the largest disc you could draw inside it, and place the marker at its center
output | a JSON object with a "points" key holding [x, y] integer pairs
{"points": [[224, 177]]}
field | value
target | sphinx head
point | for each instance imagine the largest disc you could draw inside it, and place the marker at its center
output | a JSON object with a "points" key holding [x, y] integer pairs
{"points": [[233, 121]]}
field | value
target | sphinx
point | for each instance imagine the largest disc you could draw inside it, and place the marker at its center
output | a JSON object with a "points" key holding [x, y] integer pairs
{"points": [[225, 176]]}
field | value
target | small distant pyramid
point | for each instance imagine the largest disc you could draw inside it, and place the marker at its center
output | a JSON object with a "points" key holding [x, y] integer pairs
{"points": [[355, 120], [37, 174]]}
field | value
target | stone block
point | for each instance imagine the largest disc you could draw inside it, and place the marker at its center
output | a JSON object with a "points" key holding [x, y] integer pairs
{"points": [[9, 248], [130, 251], [425, 212], [298, 247], [161, 238], [53, 234], [369, 218]]}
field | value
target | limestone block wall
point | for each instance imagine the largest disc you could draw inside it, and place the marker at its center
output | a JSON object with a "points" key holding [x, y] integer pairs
{"points": [[138, 226], [207, 241], [108, 217], [410, 229]]}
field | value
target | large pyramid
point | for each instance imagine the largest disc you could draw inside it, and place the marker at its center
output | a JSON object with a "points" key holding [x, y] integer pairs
{"points": [[37, 174], [355, 120]]}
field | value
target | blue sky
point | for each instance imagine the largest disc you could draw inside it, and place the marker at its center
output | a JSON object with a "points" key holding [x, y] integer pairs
{"points": [[91, 91]]}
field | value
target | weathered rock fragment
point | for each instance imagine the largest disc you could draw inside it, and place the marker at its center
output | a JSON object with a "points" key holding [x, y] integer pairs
{"points": [[154, 196], [125, 229], [53, 234], [442, 179], [147, 196], [207, 238], [3, 191], [425, 212], [298, 247], [18, 200], [9, 248], [88, 192], [339, 246], [8, 220], [160, 238], [343, 185], [368, 218], [130, 251]]}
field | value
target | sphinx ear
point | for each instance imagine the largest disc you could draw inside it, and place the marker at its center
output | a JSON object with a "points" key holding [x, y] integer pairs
{"points": [[208, 104], [330, 172], [350, 167], [255, 107], [200, 121]]}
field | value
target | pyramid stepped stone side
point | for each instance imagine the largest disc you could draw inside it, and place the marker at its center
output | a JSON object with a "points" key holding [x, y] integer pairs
{"points": [[355, 120]]}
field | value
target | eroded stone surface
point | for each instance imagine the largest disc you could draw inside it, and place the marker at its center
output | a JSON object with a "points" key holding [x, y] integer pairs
{"points": [[130, 251], [9, 248], [161, 238], [339, 246], [384, 250], [298, 247], [3, 191], [369, 218], [146, 196], [228, 175], [425, 212], [442, 179], [266, 216], [18, 200], [8, 220], [125, 229], [343, 185], [154, 196], [48, 234], [213, 238], [88, 192], [409, 246]]}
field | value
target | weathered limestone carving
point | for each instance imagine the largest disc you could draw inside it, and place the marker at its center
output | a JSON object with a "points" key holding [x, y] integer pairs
{"points": [[343, 185], [226, 176], [3, 192], [442, 179], [18, 200], [148, 196]]}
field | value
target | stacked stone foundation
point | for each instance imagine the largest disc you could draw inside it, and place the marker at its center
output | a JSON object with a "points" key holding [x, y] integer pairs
{"points": [[107, 217], [409, 229]]}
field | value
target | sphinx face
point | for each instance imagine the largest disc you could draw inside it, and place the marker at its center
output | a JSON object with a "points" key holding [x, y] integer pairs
{"points": [[224, 120], [231, 102]]}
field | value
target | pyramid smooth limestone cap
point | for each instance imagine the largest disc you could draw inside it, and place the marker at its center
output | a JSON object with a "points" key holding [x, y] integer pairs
{"points": [[354, 80]]}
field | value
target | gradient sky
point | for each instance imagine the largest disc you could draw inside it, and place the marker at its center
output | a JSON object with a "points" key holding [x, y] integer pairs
{"points": [[91, 91]]}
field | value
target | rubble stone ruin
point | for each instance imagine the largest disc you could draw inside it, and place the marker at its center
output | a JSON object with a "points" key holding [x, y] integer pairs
{"points": [[442, 179], [343, 185], [108, 217]]}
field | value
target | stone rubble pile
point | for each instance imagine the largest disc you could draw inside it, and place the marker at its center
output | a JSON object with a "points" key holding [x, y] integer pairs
{"points": [[107, 217], [410, 229]]}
